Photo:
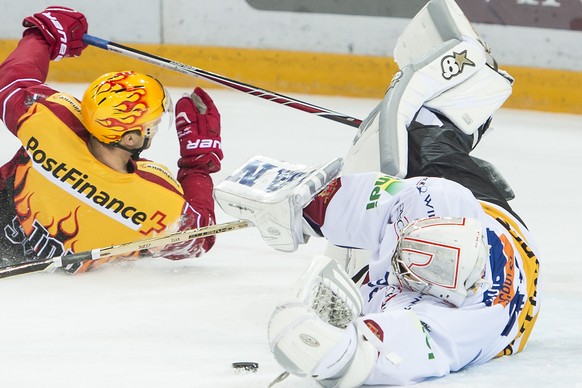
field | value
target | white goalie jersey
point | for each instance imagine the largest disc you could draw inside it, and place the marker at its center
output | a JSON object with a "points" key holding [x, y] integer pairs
{"points": [[421, 336]]}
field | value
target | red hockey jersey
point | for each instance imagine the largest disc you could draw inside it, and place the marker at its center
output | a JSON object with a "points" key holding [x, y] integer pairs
{"points": [[60, 198]]}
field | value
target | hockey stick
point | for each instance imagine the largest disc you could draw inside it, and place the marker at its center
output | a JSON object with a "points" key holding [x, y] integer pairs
{"points": [[221, 80], [46, 265]]}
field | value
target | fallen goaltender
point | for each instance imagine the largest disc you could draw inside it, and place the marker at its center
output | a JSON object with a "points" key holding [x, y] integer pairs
{"points": [[450, 269]]}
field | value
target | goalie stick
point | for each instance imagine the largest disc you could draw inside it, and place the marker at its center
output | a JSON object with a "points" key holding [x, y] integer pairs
{"points": [[46, 265], [221, 80]]}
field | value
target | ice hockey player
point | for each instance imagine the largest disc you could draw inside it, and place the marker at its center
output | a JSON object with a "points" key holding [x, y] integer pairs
{"points": [[452, 280], [78, 182]]}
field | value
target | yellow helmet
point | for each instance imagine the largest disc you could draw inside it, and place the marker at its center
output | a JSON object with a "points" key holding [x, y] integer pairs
{"points": [[124, 101]]}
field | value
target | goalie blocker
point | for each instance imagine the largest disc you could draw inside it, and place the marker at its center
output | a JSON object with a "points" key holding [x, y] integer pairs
{"points": [[271, 195]]}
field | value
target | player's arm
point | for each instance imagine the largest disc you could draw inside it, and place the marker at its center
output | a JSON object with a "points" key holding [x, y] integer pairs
{"points": [[23, 73], [359, 210], [289, 202], [363, 210], [353, 210]]}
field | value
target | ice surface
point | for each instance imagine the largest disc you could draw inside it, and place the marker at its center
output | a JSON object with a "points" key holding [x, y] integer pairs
{"points": [[157, 323]]}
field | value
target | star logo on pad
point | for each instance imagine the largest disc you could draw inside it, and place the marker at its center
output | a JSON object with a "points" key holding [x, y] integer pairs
{"points": [[453, 65], [462, 60]]}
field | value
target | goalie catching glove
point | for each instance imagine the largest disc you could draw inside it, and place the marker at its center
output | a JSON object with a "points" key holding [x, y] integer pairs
{"points": [[271, 194], [313, 332]]}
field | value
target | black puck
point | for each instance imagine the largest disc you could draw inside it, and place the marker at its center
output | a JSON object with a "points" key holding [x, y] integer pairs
{"points": [[246, 366]]}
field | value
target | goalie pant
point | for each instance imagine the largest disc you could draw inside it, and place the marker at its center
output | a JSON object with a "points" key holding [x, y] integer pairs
{"points": [[430, 337]]}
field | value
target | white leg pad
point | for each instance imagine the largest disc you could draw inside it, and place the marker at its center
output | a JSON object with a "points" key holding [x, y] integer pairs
{"points": [[446, 67], [437, 22]]}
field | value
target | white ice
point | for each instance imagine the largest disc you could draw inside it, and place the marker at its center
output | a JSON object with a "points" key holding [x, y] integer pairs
{"points": [[157, 323]]}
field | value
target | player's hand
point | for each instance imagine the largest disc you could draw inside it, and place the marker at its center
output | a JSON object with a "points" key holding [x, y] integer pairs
{"points": [[198, 126], [63, 28]]}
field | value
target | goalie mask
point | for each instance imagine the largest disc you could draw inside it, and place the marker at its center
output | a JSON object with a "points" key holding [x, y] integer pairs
{"points": [[442, 257], [116, 103]]}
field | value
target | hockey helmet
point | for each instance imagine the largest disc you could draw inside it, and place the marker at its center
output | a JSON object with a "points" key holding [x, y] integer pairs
{"points": [[125, 101], [443, 257]]}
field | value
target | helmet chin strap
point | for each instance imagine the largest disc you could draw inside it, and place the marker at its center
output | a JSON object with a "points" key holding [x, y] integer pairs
{"points": [[136, 151]]}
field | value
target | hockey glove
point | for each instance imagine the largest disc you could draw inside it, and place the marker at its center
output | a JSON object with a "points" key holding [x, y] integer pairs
{"points": [[198, 126], [63, 28], [313, 332], [272, 193]]}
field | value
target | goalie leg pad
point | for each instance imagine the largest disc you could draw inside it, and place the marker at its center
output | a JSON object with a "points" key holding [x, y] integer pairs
{"points": [[471, 104], [468, 104], [437, 22], [446, 67], [358, 370]]}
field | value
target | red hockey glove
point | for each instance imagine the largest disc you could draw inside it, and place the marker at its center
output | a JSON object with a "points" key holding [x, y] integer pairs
{"points": [[198, 126], [63, 29]]}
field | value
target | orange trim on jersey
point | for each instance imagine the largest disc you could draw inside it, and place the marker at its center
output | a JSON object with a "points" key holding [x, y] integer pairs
{"points": [[529, 313], [160, 174], [507, 293]]}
